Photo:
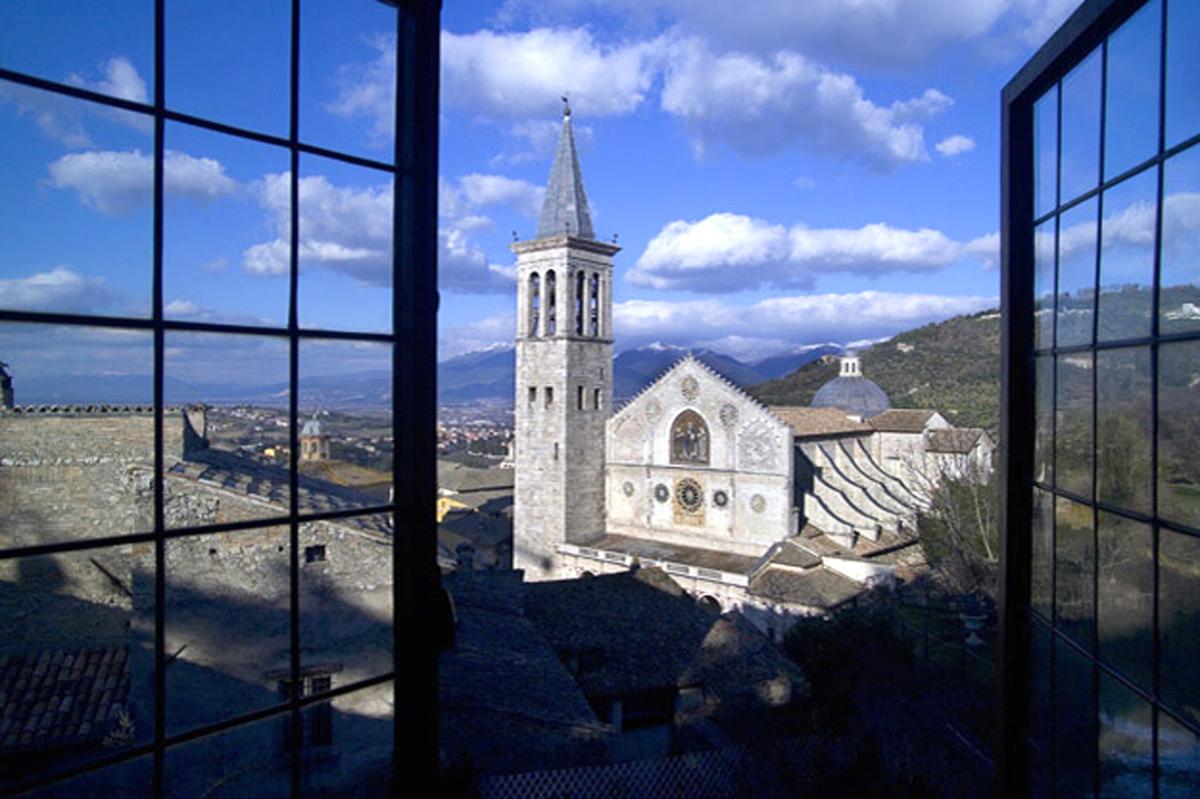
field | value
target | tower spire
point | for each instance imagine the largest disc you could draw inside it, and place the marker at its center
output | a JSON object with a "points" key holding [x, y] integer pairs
{"points": [[565, 209]]}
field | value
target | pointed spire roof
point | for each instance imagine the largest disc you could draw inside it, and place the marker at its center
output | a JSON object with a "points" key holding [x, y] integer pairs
{"points": [[565, 209]]}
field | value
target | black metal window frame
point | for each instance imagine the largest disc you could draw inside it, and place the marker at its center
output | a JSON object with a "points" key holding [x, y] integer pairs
{"points": [[413, 170], [1083, 34]]}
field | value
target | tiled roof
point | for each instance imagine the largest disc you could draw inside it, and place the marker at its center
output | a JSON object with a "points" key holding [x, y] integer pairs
{"points": [[808, 422], [954, 441], [460, 478], [902, 420], [818, 588], [648, 549], [62, 698], [795, 556]]}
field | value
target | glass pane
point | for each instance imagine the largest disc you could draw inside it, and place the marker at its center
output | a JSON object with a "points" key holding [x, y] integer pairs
{"points": [[1126, 742], [1045, 158], [76, 458], [348, 745], [1043, 442], [229, 61], [1127, 234], [1043, 277], [346, 597], [1131, 85], [1074, 559], [1076, 274], [224, 197], [131, 780], [1123, 407], [1178, 433], [227, 628], [104, 47], [1074, 721], [249, 761], [1183, 72], [1178, 760], [1073, 430], [1043, 552], [1179, 621], [76, 682], [1179, 298], [347, 77], [345, 246], [233, 463], [75, 205], [1125, 597], [345, 424], [1041, 706], [1081, 128]]}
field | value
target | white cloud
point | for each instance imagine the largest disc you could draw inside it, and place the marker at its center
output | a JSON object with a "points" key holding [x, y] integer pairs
{"points": [[804, 183], [730, 252], [518, 75], [760, 106], [521, 195], [117, 182], [121, 79], [369, 89], [955, 145], [771, 325], [182, 308], [491, 331], [62, 289]]}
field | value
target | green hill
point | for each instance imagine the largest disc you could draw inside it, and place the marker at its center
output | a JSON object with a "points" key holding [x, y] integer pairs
{"points": [[951, 366]]}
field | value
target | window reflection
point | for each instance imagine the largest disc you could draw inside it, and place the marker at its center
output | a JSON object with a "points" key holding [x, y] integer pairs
{"points": [[1125, 596], [1123, 470], [1074, 570], [1179, 622], [1080, 166], [1045, 160], [1073, 424], [1043, 280], [1131, 87], [1178, 433], [1179, 297], [1125, 302], [1183, 72], [1126, 742], [1076, 275]]}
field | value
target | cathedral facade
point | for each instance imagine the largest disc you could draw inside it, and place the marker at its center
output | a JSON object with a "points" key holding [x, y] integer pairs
{"points": [[773, 511]]}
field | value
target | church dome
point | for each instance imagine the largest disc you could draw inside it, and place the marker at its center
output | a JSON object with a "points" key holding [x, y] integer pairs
{"points": [[852, 393]]}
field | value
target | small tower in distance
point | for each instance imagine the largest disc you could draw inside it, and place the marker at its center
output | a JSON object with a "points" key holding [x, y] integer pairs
{"points": [[6, 388], [564, 372], [314, 441]]}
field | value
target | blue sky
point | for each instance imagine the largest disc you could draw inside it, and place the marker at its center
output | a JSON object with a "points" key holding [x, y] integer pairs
{"points": [[775, 177]]}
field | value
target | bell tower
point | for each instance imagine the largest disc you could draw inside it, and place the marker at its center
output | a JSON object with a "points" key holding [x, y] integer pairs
{"points": [[564, 372]]}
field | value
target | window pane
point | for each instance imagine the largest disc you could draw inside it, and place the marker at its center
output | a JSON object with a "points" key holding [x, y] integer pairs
{"points": [[229, 61], [75, 205], [1074, 721], [1073, 435], [347, 77], [104, 47], [227, 626], [1183, 72], [1081, 128], [1123, 470], [1125, 595], [345, 246], [1043, 443], [134, 779], [225, 199], [345, 424], [77, 458], [1074, 559], [1179, 621], [1076, 274], [1045, 158], [249, 761], [1126, 742], [1043, 276], [1043, 552], [359, 729], [233, 465], [1131, 105], [1179, 298], [1178, 759], [1178, 433], [1041, 706], [75, 674], [1127, 257]]}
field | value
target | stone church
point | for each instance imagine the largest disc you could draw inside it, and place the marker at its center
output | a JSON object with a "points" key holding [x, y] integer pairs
{"points": [[773, 511]]}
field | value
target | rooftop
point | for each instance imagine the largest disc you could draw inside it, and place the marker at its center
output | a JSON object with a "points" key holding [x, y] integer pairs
{"points": [[955, 441], [898, 420], [809, 422], [565, 207]]}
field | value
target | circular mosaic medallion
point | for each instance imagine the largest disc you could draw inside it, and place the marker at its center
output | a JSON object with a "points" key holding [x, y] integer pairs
{"points": [[729, 415], [757, 503], [690, 388], [653, 411], [628, 488], [720, 499], [662, 493], [689, 495]]}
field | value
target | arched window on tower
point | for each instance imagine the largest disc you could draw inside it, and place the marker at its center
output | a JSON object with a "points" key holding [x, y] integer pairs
{"points": [[551, 310], [535, 296], [689, 439], [594, 304], [580, 287]]}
